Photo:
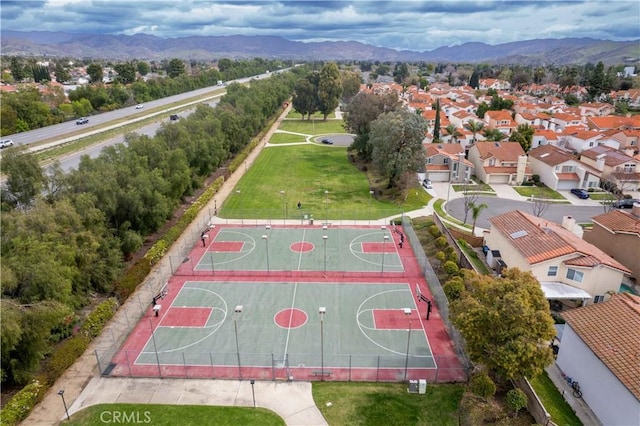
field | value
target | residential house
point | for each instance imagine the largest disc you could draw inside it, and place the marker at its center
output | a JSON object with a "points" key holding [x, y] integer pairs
{"points": [[618, 234], [626, 138], [598, 109], [562, 120], [560, 170], [566, 266], [499, 162], [600, 349], [493, 83], [613, 122], [614, 166], [581, 139], [500, 120], [446, 163], [544, 137]]}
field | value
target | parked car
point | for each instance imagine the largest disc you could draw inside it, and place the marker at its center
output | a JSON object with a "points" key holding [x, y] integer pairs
{"points": [[580, 193], [427, 183], [139, 106], [174, 117], [327, 141], [5, 143], [625, 204], [82, 120]]}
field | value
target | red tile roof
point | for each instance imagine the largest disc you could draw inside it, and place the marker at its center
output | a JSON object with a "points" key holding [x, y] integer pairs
{"points": [[544, 240], [504, 151], [613, 157], [619, 221], [612, 331], [568, 176], [551, 155]]}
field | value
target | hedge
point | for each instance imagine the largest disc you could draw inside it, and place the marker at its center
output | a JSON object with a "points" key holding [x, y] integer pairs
{"points": [[21, 404]]}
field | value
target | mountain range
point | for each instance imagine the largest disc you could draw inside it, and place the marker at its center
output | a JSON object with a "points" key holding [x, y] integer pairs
{"points": [[148, 47]]}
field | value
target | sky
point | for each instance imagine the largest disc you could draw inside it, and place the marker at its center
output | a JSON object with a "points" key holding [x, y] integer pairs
{"points": [[399, 24]]}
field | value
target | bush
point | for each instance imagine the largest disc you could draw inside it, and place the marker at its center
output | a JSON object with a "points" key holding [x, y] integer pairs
{"points": [[441, 256], [453, 256], [453, 288], [535, 178], [450, 267], [482, 385], [99, 316], [448, 250], [516, 400], [434, 231], [63, 357], [441, 242], [21, 404]]}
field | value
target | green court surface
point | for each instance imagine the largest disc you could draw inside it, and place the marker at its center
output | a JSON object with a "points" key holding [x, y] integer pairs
{"points": [[365, 326], [300, 249]]}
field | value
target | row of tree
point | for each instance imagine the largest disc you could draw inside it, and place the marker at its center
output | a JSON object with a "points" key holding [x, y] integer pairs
{"points": [[64, 236]]}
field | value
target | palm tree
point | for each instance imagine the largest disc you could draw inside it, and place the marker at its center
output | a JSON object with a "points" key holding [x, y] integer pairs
{"points": [[474, 127], [452, 130], [475, 212], [493, 135]]}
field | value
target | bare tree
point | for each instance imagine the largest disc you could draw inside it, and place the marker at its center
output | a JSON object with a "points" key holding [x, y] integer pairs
{"points": [[539, 205], [469, 198], [615, 184]]}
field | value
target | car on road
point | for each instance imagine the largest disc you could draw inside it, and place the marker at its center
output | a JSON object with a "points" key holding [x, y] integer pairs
{"points": [[5, 143], [580, 193], [327, 141], [427, 183], [139, 106], [625, 204], [82, 120]]}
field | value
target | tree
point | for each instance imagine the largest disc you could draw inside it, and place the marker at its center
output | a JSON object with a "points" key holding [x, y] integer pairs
{"points": [[539, 205], [474, 81], [126, 73], [506, 323], [350, 85], [493, 135], [436, 126], [40, 73], [62, 74], [143, 68], [24, 178], [469, 198], [176, 68], [401, 73], [476, 209], [396, 138], [453, 131], [516, 400], [95, 73], [305, 99], [17, 69], [482, 385], [523, 135], [474, 127], [329, 89]]}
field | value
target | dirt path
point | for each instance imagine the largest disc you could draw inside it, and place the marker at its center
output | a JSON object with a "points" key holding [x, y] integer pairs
{"points": [[51, 410]]}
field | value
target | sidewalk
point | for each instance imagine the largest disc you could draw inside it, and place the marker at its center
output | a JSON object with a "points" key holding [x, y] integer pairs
{"points": [[579, 406]]}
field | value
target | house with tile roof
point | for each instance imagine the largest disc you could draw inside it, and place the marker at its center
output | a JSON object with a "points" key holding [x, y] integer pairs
{"points": [[617, 233], [500, 120], [544, 137], [598, 109], [613, 122], [499, 162], [446, 163], [600, 348], [560, 170], [614, 166], [567, 267]]}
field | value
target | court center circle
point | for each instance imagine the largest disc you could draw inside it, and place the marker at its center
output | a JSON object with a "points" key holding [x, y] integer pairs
{"points": [[291, 318], [301, 247]]}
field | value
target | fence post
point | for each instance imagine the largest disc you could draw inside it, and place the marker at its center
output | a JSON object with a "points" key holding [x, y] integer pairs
{"points": [[273, 367], [378, 369], [350, 367], [98, 361], [213, 370], [184, 362]]}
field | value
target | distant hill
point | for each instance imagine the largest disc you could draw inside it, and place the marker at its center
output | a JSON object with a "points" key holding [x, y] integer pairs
{"points": [[143, 46]]}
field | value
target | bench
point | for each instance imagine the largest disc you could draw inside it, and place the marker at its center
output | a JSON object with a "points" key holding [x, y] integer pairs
{"points": [[320, 372]]}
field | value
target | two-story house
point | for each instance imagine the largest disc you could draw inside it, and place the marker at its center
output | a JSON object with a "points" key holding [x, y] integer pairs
{"points": [[618, 234], [446, 163], [500, 120], [560, 170], [614, 166], [499, 162], [566, 266]]}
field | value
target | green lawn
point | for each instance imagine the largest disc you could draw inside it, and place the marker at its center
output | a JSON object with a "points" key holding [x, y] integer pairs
{"points": [[539, 192], [286, 138], [477, 262], [437, 206], [304, 173], [317, 115], [480, 187], [170, 415], [602, 196], [313, 127], [561, 413], [387, 404]]}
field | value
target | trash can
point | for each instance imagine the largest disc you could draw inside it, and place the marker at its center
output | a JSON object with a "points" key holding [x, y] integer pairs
{"points": [[311, 220]]}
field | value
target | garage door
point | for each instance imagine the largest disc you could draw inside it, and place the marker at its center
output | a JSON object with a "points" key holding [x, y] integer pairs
{"points": [[438, 176], [498, 179], [565, 185]]}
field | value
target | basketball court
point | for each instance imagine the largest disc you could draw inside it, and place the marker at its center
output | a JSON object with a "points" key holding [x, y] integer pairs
{"points": [[292, 303]]}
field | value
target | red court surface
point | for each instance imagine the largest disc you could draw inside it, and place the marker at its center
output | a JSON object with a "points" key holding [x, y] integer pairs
{"points": [[124, 362]]}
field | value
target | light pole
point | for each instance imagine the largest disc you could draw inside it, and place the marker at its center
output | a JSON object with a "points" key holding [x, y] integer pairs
{"points": [[241, 214], [284, 208], [253, 392], [265, 237], [370, 196], [384, 243], [407, 312], [238, 311], [324, 240], [322, 310], [326, 206], [61, 393]]}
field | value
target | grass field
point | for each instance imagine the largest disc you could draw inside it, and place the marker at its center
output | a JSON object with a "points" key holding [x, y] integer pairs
{"points": [[539, 192], [305, 172], [387, 404], [313, 127], [561, 412], [286, 138], [170, 415], [317, 115]]}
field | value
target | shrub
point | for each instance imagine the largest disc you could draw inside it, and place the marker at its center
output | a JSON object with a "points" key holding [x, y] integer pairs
{"points": [[448, 250], [21, 404], [482, 385], [453, 288], [462, 243], [441, 256], [441, 242], [126, 285], [434, 231], [516, 400], [453, 257], [63, 357], [535, 178], [99, 316], [450, 267]]}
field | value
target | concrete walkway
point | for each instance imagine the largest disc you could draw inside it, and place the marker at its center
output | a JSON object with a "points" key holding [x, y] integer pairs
{"points": [[292, 401]]}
